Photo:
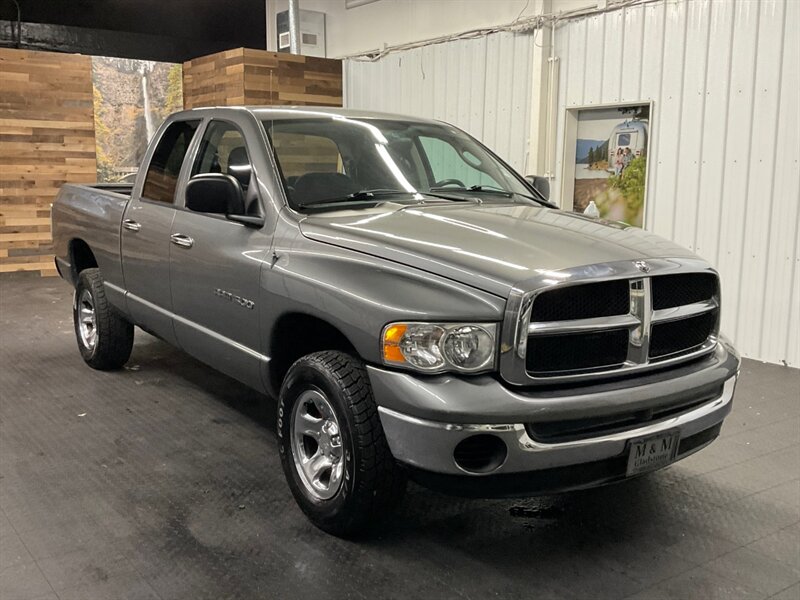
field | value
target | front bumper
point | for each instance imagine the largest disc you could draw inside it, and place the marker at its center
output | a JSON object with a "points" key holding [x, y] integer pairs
{"points": [[427, 445]]}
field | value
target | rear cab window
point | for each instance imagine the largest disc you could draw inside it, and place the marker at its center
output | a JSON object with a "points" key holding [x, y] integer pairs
{"points": [[161, 178], [300, 153]]}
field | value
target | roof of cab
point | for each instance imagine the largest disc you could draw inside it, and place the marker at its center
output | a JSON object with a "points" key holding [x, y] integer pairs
{"points": [[295, 112]]}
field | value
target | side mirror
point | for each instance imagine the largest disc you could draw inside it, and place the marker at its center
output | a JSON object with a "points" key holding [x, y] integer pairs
{"points": [[540, 184], [215, 193]]}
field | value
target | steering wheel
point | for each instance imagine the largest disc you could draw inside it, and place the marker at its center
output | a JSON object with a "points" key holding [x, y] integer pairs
{"points": [[446, 182]]}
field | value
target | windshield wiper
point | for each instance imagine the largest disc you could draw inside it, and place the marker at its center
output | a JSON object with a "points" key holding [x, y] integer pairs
{"points": [[363, 194], [354, 199], [370, 197], [483, 189], [491, 189], [474, 188]]}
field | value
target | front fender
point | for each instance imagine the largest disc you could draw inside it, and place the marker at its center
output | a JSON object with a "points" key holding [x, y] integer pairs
{"points": [[359, 294]]}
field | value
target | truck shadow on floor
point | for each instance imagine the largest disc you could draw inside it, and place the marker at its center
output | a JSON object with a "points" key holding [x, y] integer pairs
{"points": [[155, 362]]}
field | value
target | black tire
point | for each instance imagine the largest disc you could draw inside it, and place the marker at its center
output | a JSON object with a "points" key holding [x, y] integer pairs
{"points": [[113, 333], [372, 484]]}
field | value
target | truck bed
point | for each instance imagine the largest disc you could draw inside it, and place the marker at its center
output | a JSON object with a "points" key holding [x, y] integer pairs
{"points": [[90, 214]]}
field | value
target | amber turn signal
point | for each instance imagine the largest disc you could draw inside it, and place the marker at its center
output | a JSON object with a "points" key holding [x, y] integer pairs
{"points": [[391, 343]]}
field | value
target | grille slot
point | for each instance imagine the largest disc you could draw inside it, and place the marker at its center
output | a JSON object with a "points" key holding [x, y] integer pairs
{"points": [[554, 354], [604, 299], [682, 335], [670, 291]]}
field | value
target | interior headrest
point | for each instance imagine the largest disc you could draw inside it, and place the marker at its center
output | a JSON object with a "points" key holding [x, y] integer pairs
{"points": [[239, 165], [313, 188]]}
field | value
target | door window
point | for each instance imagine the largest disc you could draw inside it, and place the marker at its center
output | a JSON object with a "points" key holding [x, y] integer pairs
{"points": [[165, 166], [222, 150]]}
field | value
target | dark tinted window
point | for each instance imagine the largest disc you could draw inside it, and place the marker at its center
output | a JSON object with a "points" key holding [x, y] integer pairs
{"points": [[222, 150], [165, 166]]}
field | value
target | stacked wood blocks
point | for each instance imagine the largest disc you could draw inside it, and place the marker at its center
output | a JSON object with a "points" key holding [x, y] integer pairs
{"points": [[46, 140], [258, 77]]}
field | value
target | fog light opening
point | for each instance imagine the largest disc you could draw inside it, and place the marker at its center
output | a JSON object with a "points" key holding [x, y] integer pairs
{"points": [[482, 453]]}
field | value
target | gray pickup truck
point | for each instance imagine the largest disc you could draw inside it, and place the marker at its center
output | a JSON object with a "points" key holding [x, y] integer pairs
{"points": [[417, 307]]}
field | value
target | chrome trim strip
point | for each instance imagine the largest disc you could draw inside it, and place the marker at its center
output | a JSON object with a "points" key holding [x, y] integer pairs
{"points": [[204, 330], [516, 321], [642, 309], [446, 426], [708, 345], [594, 324], [687, 310]]}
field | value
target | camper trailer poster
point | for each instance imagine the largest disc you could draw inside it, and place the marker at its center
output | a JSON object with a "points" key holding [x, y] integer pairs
{"points": [[611, 162]]}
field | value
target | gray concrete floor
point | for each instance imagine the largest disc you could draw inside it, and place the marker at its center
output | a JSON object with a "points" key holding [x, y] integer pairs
{"points": [[163, 481]]}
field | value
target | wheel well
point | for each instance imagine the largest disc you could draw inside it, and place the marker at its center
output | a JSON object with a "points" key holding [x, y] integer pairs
{"points": [[296, 335], [81, 256]]}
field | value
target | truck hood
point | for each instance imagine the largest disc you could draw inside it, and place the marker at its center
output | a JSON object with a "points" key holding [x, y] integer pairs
{"points": [[489, 246]]}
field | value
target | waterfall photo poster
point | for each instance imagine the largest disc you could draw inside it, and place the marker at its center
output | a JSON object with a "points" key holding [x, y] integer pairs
{"points": [[610, 165], [131, 100]]}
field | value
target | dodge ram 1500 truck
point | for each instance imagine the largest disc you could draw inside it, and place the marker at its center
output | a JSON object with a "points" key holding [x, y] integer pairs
{"points": [[417, 308]]}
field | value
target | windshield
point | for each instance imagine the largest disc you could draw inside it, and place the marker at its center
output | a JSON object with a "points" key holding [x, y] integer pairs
{"points": [[326, 160]]}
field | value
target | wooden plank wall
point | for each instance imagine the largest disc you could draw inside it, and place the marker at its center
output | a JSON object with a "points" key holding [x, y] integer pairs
{"points": [[214, 80], [258, 77], [46, 139]]}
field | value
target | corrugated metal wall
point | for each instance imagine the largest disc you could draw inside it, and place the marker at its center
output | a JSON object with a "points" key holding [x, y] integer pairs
{"points": [[481, 85], [724, 176]]}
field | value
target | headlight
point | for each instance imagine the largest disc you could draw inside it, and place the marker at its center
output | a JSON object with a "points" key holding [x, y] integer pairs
{"points": [[436, 347]]}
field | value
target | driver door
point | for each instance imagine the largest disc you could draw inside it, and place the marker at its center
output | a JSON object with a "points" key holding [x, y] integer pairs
{"points": [[215, 267]]}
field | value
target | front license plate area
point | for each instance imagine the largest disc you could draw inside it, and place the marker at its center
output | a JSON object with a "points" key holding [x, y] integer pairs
{"points": [[653, 452]]}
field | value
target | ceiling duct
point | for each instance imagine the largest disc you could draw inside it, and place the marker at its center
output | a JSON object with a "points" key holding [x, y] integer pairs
{"points": [[294, 26]]}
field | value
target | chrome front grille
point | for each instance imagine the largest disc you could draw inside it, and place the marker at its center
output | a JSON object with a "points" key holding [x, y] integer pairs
{"points": [[633, 316]]}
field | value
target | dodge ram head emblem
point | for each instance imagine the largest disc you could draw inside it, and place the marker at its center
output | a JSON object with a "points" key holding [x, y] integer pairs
{"points": [[642, 266]]}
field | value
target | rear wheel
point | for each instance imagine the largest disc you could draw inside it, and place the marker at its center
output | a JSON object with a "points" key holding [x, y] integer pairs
{"points": [[105, 337], [333, 450]]}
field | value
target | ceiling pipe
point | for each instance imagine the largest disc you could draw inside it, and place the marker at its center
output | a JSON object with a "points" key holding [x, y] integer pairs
{"points": [[19, 24], [294, 26]]}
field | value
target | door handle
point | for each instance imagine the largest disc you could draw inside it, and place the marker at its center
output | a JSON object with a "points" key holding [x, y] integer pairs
{"points": [[184, 241], [131, 225]]}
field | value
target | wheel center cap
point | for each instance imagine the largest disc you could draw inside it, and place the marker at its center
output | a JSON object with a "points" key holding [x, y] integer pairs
{"points": [[329, 438]]}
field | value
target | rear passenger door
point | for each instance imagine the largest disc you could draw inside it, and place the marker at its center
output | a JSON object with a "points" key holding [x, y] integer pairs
{"points": [[215, 266], [146, 227]]}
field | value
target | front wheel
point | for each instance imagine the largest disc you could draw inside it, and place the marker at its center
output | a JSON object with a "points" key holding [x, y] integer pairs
{"points": [[105, 337], [333, 450]]}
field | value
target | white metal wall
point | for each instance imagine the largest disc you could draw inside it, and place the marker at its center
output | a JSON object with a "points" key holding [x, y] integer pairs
{"points": [[480, 85], [724, 176]]}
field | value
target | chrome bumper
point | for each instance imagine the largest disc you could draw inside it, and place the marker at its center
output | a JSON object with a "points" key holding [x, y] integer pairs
{"points": [[429, 445]]}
